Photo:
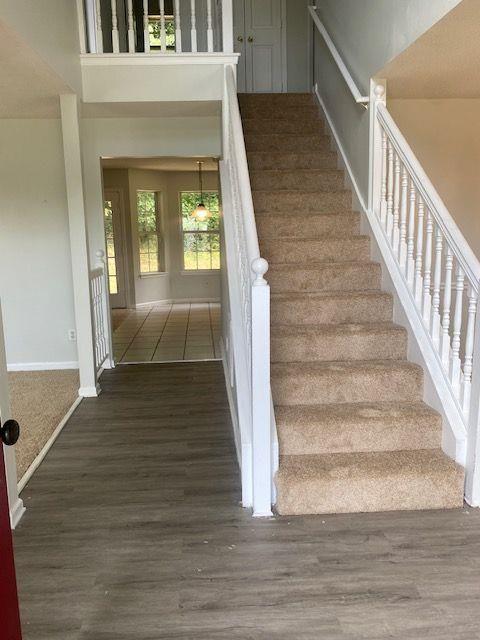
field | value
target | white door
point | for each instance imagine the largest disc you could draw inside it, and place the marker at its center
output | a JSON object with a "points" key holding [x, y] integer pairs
{"points": [[115, 254], [258, 28]]}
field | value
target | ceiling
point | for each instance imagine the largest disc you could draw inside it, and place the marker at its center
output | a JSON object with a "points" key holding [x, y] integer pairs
{"points": [[29, 88], [160, 164], [444, 62]]}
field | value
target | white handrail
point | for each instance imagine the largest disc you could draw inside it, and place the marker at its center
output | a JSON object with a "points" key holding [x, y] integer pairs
{"points": [[431, 198], [358, 97]]}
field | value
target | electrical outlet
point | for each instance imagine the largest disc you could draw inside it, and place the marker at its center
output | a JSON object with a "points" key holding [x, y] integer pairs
{"points": [[72, 335]]}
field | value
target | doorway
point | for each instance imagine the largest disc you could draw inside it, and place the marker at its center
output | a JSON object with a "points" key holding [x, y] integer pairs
{"points": [[259, 36], [115, 245]]}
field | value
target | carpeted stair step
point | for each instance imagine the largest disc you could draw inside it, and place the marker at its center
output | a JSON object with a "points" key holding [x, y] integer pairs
{"points": [[298, 202], [338, 276], [341, 342], [311, 126], [278, 225], [346, 428], [331, 307], [276, 99], [306, 250], [282, 112], [370, 481], [295, 180], [286, 142], [338, 382], [261, 160]]}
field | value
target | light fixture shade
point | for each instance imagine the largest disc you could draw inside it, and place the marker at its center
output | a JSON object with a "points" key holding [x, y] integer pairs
{"points": [[201, 213]]}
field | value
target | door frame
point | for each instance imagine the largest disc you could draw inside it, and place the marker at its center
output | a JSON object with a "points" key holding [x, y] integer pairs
{"points": [[129, 302], [283, 43]]}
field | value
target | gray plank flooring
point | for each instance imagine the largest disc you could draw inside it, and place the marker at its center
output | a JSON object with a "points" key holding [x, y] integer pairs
{"points": [[134, 531]]}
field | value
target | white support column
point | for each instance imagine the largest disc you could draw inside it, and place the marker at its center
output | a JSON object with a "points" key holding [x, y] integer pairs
{"points": [[82, 33], [146, 33], [209, 27], [193, 23], [378, 153], [115, 38], [261, 403], [178, 28], [227, 26], [98, 27], [78, 244], [130, 24]]}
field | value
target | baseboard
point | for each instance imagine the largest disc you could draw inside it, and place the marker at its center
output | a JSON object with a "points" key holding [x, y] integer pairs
{"points": [[90, 392], [16, 513], [178, 301], [46, 448], [436, 392], [42, 366]]}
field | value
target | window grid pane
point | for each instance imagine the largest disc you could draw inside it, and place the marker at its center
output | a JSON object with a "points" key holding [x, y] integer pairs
{"points": [[110, 241], [201, 239], [148, 231]]}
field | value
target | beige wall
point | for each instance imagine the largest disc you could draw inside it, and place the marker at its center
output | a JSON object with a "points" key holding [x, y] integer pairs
{"points": [[174, 283], [445, 136]]}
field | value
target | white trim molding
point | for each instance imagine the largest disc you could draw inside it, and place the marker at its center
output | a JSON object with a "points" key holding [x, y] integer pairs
{"points": [[42, 366], [160, 59]]}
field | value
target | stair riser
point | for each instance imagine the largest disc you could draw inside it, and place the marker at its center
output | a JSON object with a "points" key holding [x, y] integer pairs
{"points": [[395, 493], [281, 142], [278, 226], [298, 180], [332, 310], [324, 250], [301, 127], [327, 348], [326, 278], [282, 112], [268, 100], [348, 437], [346, 385], [302, 203], [259, 161]]}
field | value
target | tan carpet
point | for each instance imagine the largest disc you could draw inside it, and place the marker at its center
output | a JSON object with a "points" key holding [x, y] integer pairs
{"points": [[40, 399], [354, 433]]}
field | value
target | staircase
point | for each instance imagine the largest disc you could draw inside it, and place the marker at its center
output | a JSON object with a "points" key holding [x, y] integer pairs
{"points": [[354, 433]]}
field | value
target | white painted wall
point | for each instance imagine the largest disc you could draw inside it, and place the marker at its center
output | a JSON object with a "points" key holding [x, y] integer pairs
{"points": [[445, 136], [141, 138], [50, 27], [174, 283], [368, 34], [35, 264]]}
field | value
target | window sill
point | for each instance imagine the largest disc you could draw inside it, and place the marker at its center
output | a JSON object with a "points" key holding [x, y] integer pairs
{"points": [[199, 272], [153, 274]]}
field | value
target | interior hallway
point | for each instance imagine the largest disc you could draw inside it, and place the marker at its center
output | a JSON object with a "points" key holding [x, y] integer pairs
{"points": [[133, 530], [167, 332]]}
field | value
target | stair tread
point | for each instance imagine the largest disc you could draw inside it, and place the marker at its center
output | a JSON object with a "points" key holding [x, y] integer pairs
{"points": [[296, 296], [351, 329], [312, 266], [365, 366], [355, 237]]}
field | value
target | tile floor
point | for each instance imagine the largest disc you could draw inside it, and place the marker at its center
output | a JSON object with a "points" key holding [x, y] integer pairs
{"points": [[167, 332]]}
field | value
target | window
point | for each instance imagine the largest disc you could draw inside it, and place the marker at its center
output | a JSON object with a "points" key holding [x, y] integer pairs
{"points": [[110, 240], [150, 242], [154, 31], [201, 240]]}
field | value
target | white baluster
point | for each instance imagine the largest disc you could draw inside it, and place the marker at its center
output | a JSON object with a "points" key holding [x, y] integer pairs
{"points": [[98, 26], [146, 32], [209, 26], [163, 33], [455, 367], [419, 253], [131, 30], [115, 39], [402, 250], [447, 300], [193, 22], [383, 187], [437, 283], [178, 28], [389, 225], [469, 342], [427, 271], [411, 236], [396, 207]]}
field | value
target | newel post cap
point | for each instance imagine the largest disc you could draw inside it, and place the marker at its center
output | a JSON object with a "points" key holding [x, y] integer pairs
{"points": [[259, 268], [379, 91]]}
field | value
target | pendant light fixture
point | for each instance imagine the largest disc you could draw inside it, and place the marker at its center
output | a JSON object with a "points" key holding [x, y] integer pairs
{"points": [[201, 213]]}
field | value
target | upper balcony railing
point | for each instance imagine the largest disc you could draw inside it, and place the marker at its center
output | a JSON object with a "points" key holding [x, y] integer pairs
{"points": [[159, 27]]}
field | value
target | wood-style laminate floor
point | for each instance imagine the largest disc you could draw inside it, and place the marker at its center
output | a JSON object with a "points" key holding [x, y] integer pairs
{"points": [[133, 531]]}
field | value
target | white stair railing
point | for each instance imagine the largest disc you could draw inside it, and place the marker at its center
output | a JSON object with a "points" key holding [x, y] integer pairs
{"points": [[205, 20], [249, 303], [437, 264], [101, 315]]}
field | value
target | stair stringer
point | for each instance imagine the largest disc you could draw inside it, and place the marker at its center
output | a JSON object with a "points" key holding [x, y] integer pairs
{"points": [[436, 391]]}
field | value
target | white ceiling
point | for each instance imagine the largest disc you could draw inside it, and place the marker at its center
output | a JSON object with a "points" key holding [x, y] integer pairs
{"points": [[444, 62], [29, 88], [160, 164]]}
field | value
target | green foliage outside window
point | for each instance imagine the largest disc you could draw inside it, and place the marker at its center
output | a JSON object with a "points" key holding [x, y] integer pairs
{"points": [[201, 239], [155, 32], [149, 232]]}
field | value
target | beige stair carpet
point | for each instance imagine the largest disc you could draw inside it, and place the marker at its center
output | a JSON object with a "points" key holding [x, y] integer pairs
{"points": [[354, 432]]}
